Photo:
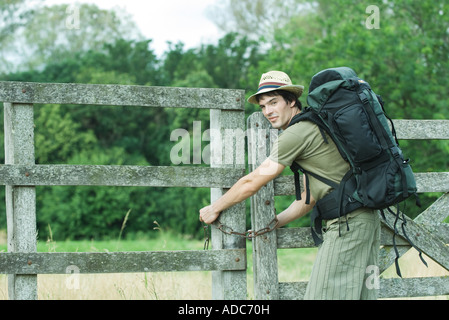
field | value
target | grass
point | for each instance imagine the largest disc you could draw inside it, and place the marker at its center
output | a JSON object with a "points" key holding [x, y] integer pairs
{"points": [[293, 264]]}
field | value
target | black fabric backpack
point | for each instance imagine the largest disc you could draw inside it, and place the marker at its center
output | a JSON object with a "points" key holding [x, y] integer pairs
{"points": [[345, 107]]}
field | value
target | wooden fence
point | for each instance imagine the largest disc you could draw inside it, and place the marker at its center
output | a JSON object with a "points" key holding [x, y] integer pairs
{"points": [[227, 260], [20, 175], [427, 231]]}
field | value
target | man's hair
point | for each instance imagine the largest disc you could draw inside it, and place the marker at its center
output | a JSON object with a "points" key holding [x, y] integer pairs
{"points": [[288, 97]]}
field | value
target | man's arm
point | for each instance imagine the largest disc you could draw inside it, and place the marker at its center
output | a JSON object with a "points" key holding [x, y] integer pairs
{"points": [[242, 189], [296, 210]]}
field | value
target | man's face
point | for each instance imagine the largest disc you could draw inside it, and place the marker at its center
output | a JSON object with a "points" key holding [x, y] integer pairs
{"points": [[277, 110]]}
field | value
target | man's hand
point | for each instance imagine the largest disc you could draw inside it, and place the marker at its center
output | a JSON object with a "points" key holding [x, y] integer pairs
{"points": [[208, 214], [244, 188]]}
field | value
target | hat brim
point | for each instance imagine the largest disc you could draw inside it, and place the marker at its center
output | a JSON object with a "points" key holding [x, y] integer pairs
{"points": [[295, 89]]}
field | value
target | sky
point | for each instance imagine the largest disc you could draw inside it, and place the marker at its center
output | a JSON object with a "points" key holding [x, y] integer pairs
{"points": [[164, 20]]}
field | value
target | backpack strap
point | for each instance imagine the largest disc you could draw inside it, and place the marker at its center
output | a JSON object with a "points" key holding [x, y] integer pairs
{"points": [[381, 133], [308, 114], [295, 167], [393, 129], [336, 204], [404, 233]]}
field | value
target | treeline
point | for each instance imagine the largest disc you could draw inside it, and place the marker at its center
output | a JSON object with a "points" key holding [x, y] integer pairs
{"points": [[404, 60]]}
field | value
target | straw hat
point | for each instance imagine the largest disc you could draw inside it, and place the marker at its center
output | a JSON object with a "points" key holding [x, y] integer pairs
{"points": [[276, 80]]}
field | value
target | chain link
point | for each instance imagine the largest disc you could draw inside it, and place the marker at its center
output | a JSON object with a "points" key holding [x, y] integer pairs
{"points": [[206, 236], [250, 234]]}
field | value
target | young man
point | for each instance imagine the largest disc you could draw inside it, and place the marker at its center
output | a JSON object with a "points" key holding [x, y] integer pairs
{"points": [[340, 269]]}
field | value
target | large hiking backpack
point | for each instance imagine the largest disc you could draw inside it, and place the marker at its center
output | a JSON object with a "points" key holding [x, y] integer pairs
{"points": [[345, 107]]}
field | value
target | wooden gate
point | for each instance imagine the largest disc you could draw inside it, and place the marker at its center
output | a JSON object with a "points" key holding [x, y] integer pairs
{"points": [[20, 175], [427, 231]]}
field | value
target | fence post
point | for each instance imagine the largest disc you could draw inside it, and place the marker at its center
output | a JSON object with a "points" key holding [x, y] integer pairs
{"points": [[266, 283], [227, 150], [20, 201]]}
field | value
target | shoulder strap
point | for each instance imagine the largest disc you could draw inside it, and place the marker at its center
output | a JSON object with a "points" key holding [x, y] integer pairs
{"points": [[309, 115], [295, 167], [382, 134]]}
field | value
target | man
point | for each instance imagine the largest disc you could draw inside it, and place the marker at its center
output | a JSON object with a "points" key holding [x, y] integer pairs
{"points": [[340, 269]]}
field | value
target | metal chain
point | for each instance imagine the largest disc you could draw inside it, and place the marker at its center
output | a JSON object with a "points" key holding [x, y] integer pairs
{"points": [[247, 235], [206, 236]]}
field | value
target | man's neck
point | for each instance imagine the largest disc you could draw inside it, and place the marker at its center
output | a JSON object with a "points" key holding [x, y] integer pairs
{"points": [[294, 113]]}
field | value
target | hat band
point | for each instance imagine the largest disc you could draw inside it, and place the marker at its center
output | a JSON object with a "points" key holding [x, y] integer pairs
{"points": [[270, 85]]}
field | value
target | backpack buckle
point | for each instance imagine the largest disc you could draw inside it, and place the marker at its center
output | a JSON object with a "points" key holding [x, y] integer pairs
{"points": [[363, 98], [395, 152]]}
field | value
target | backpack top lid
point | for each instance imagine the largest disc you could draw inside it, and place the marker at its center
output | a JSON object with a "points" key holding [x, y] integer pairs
{"points": [[332, 74], [325, 83]]}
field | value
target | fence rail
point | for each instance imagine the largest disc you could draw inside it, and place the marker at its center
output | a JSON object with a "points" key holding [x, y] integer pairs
{"points": [[422, 129], [119, 262], [120, 95], [390, 288], [425, 182], [104, 175]]}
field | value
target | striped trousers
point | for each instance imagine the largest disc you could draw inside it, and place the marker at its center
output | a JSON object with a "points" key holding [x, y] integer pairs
{"points": [[346, 263]]}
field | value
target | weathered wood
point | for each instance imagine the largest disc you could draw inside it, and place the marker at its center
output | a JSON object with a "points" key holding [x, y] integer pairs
{"points": [[422, 129], [426, 182], [122, 262], [20, 201], [388, 256], [262, 213], [388, 288], [429, 243], [226, 153], [436, 213], [229, 115], [120, 95], [292, 290], [432, 181], [81, 175], [288, 238], [387, 253], [432, 218], [414, 287]]}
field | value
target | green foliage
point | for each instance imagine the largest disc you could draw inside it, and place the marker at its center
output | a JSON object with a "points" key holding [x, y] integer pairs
{"points": [[57, 136], [54, 32]]}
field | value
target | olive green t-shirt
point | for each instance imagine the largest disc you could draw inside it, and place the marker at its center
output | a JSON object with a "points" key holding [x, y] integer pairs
{"points": [[303, 143]]}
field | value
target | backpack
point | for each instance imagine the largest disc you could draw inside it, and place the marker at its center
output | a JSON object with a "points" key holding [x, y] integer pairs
{"points": [[344, 106]]}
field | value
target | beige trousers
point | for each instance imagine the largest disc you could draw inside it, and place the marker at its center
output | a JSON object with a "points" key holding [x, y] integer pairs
{"points": [[346, 264]]}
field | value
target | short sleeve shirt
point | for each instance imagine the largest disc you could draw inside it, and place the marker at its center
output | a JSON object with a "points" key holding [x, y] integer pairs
{"points": [[304, 143]]}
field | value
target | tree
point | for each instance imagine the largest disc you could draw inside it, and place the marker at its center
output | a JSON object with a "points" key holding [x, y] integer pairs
{"points": [[257, 19], [405, 60], [14, 14], [229, 61], [58, 31], [57, 136]]}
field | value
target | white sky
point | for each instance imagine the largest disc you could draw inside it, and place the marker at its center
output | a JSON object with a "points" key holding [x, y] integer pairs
{"points": [[164, 20]]}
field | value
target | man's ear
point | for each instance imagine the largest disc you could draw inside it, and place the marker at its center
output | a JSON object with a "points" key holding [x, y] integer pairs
{"points": [[292, 104]]}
